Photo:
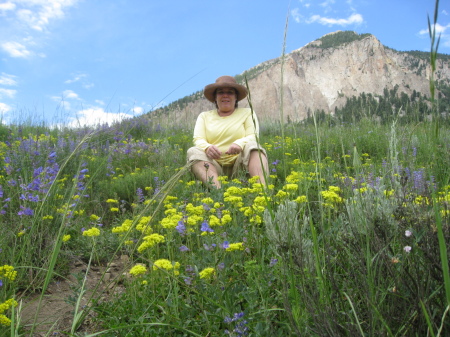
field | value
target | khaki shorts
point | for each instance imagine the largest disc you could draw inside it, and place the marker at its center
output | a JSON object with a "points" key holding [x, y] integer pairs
{"points": [[195, 154]]}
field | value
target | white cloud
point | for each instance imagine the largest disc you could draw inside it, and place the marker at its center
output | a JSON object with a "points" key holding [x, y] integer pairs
{"points": [[24, 20], [15, 49], [7, 6], [37, 14], [444, 12], [138, 110], [80, 78], [4, 108], [76, 78], [441, 32], [10, 93], [352, 19], [305, 3], [99, 102], [327, 3], [69, 94], [95, 116], [296, 15], [439, 29], [6, 79]]}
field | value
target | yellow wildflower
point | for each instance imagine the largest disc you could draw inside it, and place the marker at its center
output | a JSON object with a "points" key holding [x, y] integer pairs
{"points": [[66, 238], [207, 273], [8, 272], [94, 217], [150, 241], [5, 321], [388, 193], [290, 187], [125, 227], [138, 269], [167, 265], [94, 231], [301, 199], [235, 246]]}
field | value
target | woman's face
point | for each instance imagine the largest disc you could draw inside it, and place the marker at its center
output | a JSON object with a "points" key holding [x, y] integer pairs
{"points": [[226, 99]]}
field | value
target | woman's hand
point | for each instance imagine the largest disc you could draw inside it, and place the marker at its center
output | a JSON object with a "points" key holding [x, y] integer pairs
{"points": [[213, 152], [234, 149]]}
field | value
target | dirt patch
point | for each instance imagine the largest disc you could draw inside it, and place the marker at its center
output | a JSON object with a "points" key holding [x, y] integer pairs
{"points": [[54, 314]]}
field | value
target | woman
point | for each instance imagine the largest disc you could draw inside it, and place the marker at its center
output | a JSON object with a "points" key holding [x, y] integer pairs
{"points": [[225, 138]]}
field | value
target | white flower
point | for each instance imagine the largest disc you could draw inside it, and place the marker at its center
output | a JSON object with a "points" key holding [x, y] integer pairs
{"points": [[408, 233], [407, 249]]}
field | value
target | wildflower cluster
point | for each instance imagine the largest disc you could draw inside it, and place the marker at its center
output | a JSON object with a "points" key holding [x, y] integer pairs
{"points": [[331, 196], [5, 321], [138, 269], [8, 272], [167, 265], [240, 325], [94, 231], [150, 241], [207, 273]]}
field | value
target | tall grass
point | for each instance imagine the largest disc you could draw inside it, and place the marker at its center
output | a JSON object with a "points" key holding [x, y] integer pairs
{"points": [[330, 260]]}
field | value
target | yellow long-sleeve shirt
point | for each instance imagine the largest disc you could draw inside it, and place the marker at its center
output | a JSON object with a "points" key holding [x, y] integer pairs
{"points": [[212, 129]]}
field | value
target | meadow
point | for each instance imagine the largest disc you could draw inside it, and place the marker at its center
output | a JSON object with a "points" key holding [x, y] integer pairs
{"points": [[350, 238]]}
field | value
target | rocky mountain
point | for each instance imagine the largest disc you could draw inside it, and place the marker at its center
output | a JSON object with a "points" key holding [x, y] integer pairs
{"points": [[322, 75]]}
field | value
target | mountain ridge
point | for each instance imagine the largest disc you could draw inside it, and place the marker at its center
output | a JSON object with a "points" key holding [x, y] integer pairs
{"points": [[322, 75]]}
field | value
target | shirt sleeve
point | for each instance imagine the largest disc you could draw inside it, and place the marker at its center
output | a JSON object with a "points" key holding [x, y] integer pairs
{"points": [[200, 133], [251, 126]]}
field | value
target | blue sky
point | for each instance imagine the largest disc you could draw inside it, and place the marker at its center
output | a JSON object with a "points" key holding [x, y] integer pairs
{"points": [[93, 61]]}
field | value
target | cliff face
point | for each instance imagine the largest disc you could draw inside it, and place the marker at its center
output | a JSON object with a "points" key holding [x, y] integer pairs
{"points": [[317, 78]]}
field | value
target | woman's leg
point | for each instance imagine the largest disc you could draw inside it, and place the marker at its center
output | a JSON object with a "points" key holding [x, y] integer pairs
{"points": [[256, 169], [207, 173]]}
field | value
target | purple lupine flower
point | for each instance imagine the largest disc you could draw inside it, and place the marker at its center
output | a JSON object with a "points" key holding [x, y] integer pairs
{"points": [[25, 211], [33, 198], [240, 328], [419, 181], [209, 248], [183, 248], [181, 228], [205, 227], [140, 195]]}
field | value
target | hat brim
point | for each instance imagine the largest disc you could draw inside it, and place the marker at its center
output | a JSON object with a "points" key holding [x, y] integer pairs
{"points": [[210, 90]]}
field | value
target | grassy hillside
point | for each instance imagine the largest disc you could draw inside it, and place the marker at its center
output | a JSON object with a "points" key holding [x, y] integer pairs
{"points": [[351, 236]]}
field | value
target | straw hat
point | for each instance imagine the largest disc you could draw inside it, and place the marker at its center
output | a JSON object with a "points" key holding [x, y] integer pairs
{"points": [[224, 82]]}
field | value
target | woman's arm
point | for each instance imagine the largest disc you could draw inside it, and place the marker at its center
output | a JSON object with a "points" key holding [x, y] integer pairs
{"points": [[200, 133], [251, 126]]}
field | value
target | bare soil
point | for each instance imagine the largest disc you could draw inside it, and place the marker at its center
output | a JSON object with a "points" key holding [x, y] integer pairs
{"points": [[54, 314]]}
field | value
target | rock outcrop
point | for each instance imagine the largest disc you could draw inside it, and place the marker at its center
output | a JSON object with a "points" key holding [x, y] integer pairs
{"points": [[313, 78]]}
